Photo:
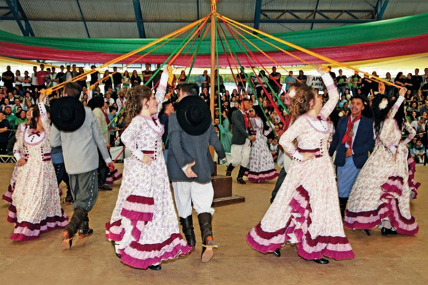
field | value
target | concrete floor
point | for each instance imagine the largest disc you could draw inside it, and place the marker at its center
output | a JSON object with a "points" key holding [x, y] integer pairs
{"points": [[379, 260]]}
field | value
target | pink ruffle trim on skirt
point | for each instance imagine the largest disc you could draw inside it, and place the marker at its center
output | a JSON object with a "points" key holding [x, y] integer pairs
{"points": [[413, 184], [25, 231], [144, 255], [388, 209], [309, 248], [7, 197], [261, 176], [139, 210]]}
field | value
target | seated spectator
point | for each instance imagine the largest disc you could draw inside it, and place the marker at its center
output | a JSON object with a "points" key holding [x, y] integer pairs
{"points": [[424, 108], [4, 104], [421, 127], [412, 116], [418, 152], [10, 116], [418, 97], [413, 107], [108, 99], [348, 95], [16, 106], [342, 101], [27, 97], [412, 143], [423, 138], [344, 110], [21, 118]]}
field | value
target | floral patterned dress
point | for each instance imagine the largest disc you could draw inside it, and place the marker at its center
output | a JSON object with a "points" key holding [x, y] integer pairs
{"points": [[306, 210], [385, 184], [7, 197], [144, 223], [35, 201], [261, 167]]}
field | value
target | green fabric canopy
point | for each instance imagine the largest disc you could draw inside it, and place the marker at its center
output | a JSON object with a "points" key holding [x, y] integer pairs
{"points": [[331, 37]]}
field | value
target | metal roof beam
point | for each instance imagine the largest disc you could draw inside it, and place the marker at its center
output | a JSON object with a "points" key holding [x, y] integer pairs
{"points": [[380, 8], [315, 13], [197, 9], [8, 18], [309, 16], [83, 18], [7, 14], [16, 9], [352, 15], [293, 14], [320, 10], [316, 21], [139, 18], [323, 15], [257, 14]]}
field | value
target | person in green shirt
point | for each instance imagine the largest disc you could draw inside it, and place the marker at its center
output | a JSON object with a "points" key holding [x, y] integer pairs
{"points": [[10, 116], [21, 118]]}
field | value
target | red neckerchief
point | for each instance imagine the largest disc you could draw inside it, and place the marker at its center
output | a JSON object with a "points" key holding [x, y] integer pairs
{"points": [[245, 119], [347, 138]]}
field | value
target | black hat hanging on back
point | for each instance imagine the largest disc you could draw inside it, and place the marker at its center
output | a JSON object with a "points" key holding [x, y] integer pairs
{"points": [[67, 114], [193, 115]]}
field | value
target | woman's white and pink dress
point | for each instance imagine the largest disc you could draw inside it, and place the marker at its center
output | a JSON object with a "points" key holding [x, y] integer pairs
{"points": [[261, 167], [306, 210], [385, 184], [35, 201], [7, 197], [144, 223]]}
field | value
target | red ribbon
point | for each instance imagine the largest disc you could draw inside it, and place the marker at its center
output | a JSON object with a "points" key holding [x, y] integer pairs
{"points": [[347, 138]]}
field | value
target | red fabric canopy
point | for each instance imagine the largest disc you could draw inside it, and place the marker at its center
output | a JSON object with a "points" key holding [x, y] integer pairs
{"points": [[357, 52]]}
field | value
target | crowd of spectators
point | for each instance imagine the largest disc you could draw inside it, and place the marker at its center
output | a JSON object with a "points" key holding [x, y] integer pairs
{"points": [[266, 90]]}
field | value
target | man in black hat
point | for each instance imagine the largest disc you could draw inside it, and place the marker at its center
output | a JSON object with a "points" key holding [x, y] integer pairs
{"points": [[190, 164], [76, 130], [241, 140]]}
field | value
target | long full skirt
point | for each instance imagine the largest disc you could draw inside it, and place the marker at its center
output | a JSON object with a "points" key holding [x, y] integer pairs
{"points": [[383, 191], [144, 224], [35, 200], [305, 212], [262, 166]]}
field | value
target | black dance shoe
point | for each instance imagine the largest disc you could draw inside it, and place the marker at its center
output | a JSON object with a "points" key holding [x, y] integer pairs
{"points": [[277, 253], [386, 231], [321, 261], [366, 232], [241, 180], [155, 267], [69, 198], [105, 188]]}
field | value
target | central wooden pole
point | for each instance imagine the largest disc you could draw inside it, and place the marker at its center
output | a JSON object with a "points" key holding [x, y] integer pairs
{"points": [[222, 184], [212, 77]]}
